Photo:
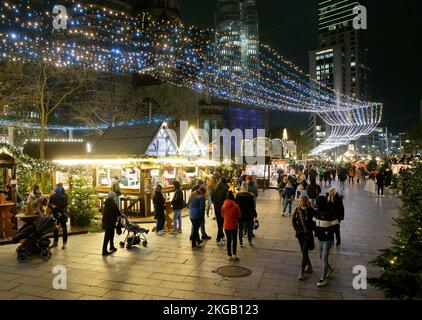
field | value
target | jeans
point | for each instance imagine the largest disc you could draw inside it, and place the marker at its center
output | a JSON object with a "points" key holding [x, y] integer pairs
{"points": [[196, 223], [209, 204], [324, 252], [337, 233], [160, 220], [304, 247], [342, 185], [64, 231], [220, 222], [288, 201], [177, 220], [231, 240], [108, 238], [248, 226]]}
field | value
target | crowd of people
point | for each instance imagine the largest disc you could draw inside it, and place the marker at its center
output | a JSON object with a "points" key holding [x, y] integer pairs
{"points": [[233, 207], [234, 211]]}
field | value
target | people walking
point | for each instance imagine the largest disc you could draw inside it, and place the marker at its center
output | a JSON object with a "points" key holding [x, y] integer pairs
{"points": [[313, 192], [159, 208], [335, 204], [325, 222], [111, 213], [342, 176], [218, 197], [352, 175], [178, 204], [115, 187], [303, 225], [245, 201], [196, 211], [288, 195], [212, 183], [252, 187], [231, 214], [58, 205], [204, 235], [380, 178]]}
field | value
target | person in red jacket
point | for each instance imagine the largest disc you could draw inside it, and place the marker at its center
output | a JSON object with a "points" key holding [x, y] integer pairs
{"points": [[231, 215]]}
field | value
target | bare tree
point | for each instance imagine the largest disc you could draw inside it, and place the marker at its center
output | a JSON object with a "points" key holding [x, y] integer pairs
{"points": [[40, 88]]}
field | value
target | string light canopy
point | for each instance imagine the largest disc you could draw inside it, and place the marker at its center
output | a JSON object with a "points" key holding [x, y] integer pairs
{"points": [[108, 40]]}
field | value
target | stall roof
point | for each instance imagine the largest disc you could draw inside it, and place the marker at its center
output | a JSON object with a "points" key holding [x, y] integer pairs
{"points": [[125, 141]]}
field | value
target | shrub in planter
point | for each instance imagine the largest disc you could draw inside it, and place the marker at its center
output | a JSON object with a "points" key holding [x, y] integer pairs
{"points": [[83, 202]]}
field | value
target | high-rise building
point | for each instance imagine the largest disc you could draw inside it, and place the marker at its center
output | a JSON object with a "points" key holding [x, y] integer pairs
{"points": [[341, 60], [237, 39], [237, 52]]}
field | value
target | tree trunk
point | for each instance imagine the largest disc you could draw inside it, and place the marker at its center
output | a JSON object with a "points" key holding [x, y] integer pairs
{"points": [[42, 142]]}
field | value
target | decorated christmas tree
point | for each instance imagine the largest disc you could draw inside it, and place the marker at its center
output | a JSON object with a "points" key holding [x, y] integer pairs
{"points": [[83, 205], [401, 276]]}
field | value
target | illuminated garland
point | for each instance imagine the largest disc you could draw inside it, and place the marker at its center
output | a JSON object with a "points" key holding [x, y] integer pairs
{"points": [[111, 41]]}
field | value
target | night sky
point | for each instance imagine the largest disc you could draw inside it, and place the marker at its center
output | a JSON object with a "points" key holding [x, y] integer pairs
{"points": [[393, 37]]}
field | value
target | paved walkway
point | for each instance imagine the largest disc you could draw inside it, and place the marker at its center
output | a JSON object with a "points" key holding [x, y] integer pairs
{"points": [[169, 269]]}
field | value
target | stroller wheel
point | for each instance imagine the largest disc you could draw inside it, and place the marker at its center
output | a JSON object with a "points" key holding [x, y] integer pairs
{"points": [[122, 244], [144, 243], [46, 255], [128, 246], [21, 257]]}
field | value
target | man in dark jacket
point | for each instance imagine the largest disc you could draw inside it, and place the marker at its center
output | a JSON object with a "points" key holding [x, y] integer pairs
{"points": [[303, 225], [246, 203], [335, 205], [325, 224], [342, 176], [58, 205], [380, 182], [313, 191], [110, 214], [178, 204], [218, 197], [159, 208]]}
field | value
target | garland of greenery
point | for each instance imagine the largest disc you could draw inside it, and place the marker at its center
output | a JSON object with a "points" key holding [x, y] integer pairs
{"points": [[36, 165]]}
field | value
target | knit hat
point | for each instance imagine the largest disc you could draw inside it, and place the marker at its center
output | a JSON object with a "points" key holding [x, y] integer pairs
{"points": [[249, 178], [58, 190]]}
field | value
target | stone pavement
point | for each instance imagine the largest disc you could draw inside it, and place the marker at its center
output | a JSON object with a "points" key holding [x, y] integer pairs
{"points": [[169, 269]]}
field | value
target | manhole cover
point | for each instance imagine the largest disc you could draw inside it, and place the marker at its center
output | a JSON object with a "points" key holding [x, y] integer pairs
{"points": [[234, 271]]}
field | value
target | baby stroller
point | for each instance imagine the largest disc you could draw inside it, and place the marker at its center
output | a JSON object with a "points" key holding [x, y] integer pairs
{"points": [[35, 240], [135, 234]]}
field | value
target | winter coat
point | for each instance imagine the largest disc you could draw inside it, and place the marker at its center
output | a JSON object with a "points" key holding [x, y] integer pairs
{"points": [[245, 201], [231, 214], [289, 192], [110, 214], [252, 188], [303, 221], [196, 205], [177, 202], [342, 176], [380, 178], [337, 207], [325, 224], [159, 203], [313, 191], [58, 205], [218, 197]]}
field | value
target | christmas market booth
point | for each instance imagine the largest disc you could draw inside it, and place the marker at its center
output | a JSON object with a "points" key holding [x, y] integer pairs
{"points": [[132, 160], [8, 222]]}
